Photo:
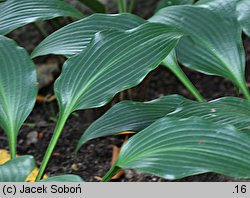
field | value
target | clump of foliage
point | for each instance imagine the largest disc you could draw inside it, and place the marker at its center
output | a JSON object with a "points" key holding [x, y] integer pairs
{"points": [[108, 53]]}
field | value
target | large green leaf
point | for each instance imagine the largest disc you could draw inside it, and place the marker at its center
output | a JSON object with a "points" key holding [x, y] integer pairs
{"points": [[114, 61], [215, 42], [64, 178], [17, 169], [130, 116], [166, 3], [95, 5], [135, 116], [240, 10], [176, 148], [228, 110], [16, 13], [243, 9], [171, 61], [18, 88], [73, 38], [225, 8]]}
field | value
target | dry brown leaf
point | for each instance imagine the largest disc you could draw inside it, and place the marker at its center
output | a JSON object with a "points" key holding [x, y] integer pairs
{"points": [[116, 152], [45, 99], [126, 133], [115, 156]]}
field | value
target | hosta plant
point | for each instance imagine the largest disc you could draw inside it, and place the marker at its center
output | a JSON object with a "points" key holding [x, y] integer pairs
{"points": [[108, 53]]}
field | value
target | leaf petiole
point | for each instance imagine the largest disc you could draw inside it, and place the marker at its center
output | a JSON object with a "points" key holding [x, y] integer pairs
{"points": [[132, 6], [113, 171], [122, 6], [58, 130]]}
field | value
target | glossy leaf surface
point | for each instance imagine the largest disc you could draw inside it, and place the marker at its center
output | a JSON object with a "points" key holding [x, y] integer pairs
{"points": [[130, 116], [18, 88], [243, 9], [215, 42], [75, 37], [135, 116], [17, 13], [166, 3], [173, 149], [114, 61]]}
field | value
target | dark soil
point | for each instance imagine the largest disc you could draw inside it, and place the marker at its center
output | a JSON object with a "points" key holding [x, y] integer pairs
{"points": [[94, 158]]}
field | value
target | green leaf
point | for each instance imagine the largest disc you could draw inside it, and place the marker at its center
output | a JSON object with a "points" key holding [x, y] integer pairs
{"points": [[224, 8], [215, 42], [243, 9], [166, 3], [136, 116], [228, 110], [18, 88], [75, 37], [94, 5], [240, 10], [114, 61], [173, 149], [64, 178], [130, 116], [171, 61], [17, 13], [17, 169]]}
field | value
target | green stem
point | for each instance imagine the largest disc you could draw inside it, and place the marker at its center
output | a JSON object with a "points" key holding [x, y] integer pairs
{"points": [[186, 82], [56, 23], [122, 6], [41, 29], [132, 5], [12, 144], [13, 148], [113, 171], [172, 64], [245, 90], [58, 130]]}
